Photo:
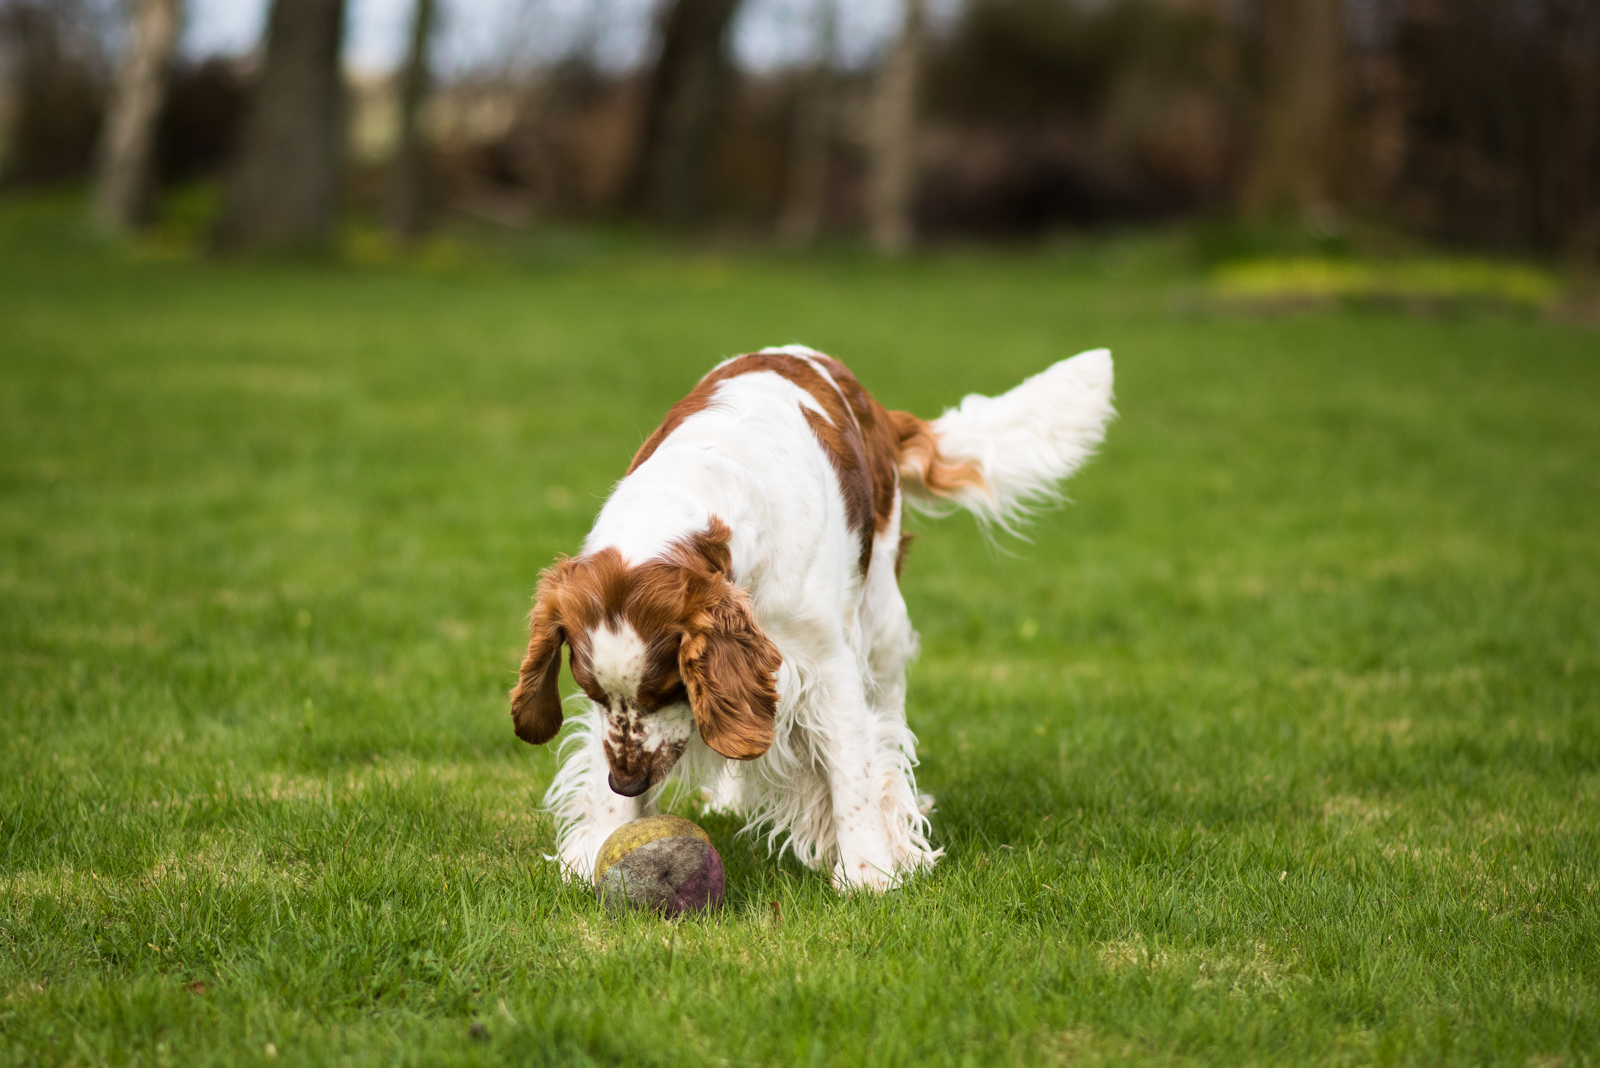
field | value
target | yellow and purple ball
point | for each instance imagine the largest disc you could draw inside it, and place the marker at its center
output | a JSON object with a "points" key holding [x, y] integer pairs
{"points": [[663, 863]]}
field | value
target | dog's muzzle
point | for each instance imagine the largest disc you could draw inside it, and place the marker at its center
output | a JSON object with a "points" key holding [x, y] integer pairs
{"points": [[628, 787]]}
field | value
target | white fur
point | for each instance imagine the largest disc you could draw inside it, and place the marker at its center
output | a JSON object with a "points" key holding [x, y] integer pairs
{"points": [[617, 657], [668, 726], [837, 786], [1027, 440]]}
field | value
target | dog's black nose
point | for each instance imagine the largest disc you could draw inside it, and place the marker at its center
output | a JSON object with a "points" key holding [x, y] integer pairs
{"points": [[632, 788]]}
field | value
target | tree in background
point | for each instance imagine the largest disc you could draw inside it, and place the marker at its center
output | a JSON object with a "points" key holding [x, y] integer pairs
{"points": [[687, 92], [1470, 122], [53, 61], [1503, 124], [124, 186], [1298, 134], [285, 187], [893, 136], [805, 194], [408, 190]]}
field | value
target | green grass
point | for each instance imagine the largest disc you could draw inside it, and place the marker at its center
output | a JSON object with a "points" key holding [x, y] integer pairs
{"points": [[1280, 745]]}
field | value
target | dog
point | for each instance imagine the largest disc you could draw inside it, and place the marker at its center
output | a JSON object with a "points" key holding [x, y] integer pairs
{"points": [[735, 620]]}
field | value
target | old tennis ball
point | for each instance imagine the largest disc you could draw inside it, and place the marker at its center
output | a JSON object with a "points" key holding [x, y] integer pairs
{"points": [[664, 863]]}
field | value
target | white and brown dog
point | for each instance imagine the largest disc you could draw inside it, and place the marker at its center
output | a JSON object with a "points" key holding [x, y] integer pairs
{"points": [[735, 618]]}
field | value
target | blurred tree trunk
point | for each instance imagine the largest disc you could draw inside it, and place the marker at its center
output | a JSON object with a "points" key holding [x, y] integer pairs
{"points": [[893, 136], [408, 192], [686, 95], [284, 192], [124, 185], [1298, 134], [1581, 68], [806, 192]]}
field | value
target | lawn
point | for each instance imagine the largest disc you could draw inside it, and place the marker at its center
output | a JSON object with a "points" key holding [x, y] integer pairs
{"points": [[1279, 745]]}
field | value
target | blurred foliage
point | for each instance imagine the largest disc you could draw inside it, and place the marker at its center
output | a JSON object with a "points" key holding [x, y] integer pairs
{"points": [[1033, 60], [1472, 123], [1428, 281]]}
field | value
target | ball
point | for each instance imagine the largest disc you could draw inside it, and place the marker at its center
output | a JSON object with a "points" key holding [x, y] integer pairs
{"points": [[662, 863]]}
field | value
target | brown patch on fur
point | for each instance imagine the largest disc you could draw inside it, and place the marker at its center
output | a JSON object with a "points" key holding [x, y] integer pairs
{"points": [[701, 638], [727, 664], [860, 438], [536, 700], [698, 400], [900, 552], [568, 591], [924, 467], [705, 549], [879, 438]]}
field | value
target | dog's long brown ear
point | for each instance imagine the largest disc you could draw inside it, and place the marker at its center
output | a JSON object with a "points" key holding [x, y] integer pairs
{"points": [[536, 702], [728, 666]]}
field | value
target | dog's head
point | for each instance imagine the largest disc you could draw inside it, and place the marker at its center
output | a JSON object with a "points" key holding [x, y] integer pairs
{"points": [[661, 648]]}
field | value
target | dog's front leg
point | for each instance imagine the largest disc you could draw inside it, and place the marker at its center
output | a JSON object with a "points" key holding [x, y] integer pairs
{"points": [[866, 857], [582, 801]]}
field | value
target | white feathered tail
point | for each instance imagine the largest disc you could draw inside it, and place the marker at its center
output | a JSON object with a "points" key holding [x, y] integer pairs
{"points": [[998, 457]]}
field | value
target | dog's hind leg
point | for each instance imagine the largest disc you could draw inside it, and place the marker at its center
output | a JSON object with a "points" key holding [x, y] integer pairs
{"points": [[891, 646]]}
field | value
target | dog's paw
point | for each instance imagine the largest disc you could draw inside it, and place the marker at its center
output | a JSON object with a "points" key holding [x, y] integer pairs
{"points": [[862, 876]]}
